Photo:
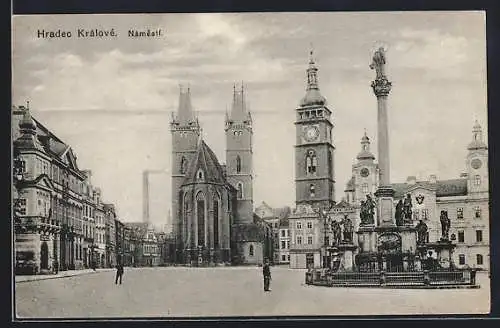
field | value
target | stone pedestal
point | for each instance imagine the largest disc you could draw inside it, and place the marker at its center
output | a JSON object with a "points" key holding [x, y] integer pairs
{"points": [[385, 206], [347, 251], [367, 238], [408, 239]]}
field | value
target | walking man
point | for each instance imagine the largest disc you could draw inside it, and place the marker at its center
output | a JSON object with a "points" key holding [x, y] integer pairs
{"points": [[266, 271], [119, 273]]}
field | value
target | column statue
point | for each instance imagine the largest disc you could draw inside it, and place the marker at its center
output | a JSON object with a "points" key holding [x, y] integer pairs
{"points": [[378, 63], [337, 231]]}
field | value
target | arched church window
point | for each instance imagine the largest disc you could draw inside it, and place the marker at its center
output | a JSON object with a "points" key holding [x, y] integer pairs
{"points": [[183, 165], [238, 164], [216, 219], [312, 190], [240, 190], [250, 250], [200, 214], [311, 162]]}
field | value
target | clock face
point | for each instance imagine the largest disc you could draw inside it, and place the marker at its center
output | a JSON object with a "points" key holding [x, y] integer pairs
{"points": [[311, 133], [365, 172], [476, 163]]}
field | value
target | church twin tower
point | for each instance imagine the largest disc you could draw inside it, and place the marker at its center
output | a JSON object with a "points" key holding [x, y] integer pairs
{"points": [[213, 203]]}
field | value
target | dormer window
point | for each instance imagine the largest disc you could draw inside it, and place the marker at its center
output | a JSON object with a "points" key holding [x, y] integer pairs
{"points": [[200, 175]]}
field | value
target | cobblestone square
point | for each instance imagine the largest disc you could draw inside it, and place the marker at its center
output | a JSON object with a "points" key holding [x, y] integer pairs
{"points": [[232, 291]]}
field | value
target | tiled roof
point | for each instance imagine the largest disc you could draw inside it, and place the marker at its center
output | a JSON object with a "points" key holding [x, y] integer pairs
{"points": [[444, 188], [205, 160]]}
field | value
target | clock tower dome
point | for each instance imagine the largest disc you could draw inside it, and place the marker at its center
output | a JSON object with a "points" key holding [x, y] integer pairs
{"points": [[314, 150]]}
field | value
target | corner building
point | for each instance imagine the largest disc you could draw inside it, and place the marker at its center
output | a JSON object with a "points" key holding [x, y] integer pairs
{"points": [[213, 203]]}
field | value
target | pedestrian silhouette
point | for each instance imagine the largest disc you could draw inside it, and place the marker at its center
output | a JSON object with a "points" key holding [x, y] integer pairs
{"points": [[119, 273], [266, 271]]}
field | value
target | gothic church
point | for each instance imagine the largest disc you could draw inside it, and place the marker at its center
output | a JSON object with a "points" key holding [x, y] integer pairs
{"points": [[213, 203]]}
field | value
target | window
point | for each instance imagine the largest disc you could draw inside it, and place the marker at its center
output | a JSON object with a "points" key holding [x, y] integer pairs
{"points": [[461, 237], [275, 224], [425, 214], [183, 165], [477, 212], [238, 164], [479, 236], [312, 190], [287, 244], [479, 259], [250, 250], [216, 222], [477, 180], [309, 225], [283, 244], [283, 257], [461, 259], [311, 162], [200, 175], [309, 240], [460, 213], [327, 240], [299, 225], [416, 215], [240, 190], [299, 240], [282, 233], [364, 188], [200, 213], [288, 257], [238, 133]]}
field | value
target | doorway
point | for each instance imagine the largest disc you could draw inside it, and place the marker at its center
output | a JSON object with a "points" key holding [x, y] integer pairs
{"points": [[44, 256]]}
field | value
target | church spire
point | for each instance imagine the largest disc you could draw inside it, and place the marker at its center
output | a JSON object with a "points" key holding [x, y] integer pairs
{"points": [[313, 96], [185, 114], [239, 111], [477, 138], [365, 152]]}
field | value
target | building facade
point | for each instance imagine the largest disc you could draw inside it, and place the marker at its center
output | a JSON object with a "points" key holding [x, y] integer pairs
{"points": [[277, 219], [465, 200], [54, 204]]}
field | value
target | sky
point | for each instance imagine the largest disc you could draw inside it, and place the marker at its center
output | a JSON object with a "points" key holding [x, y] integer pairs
{"points": [[112, 99]]}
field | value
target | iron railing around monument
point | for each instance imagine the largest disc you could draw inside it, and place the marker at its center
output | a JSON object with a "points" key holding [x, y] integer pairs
{"points": [[383, 278]]}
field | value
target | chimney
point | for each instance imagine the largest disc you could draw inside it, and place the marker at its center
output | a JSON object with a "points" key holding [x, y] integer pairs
{"points": [[432, 178], [411, 180], [464, 175]]}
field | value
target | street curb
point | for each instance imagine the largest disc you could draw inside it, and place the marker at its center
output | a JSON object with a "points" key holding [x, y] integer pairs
{"points": [[48, 277]]}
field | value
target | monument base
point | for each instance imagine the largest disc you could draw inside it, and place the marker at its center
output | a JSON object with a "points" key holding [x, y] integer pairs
{"points": [[367, 238], [385, 208]]}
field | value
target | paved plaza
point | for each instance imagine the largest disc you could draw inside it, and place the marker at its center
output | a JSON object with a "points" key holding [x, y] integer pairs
{"points": [[231, 291]]}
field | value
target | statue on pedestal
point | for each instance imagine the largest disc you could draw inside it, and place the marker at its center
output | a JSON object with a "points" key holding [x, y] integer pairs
{"points": [[367, 212], [378, 63], [445, 225], [399, 213], [337, 232], [407, 206], [421, 232], [348, 229]]}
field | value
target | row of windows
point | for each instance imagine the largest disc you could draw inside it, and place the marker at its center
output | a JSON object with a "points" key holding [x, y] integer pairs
{"points": [[461, 236], [479, 259], [298, 225], [299, 240]]}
